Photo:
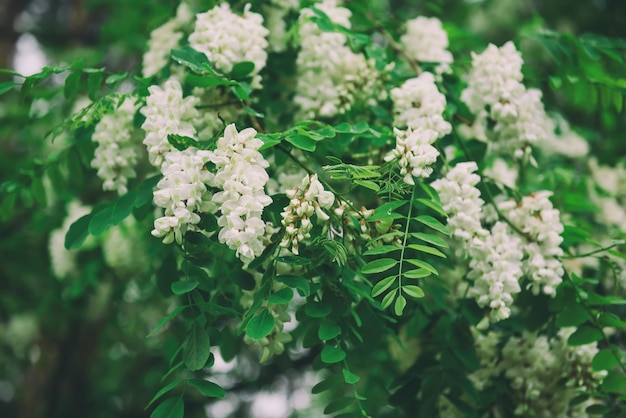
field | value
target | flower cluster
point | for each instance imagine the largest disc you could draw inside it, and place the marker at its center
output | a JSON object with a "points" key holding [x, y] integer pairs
{"points": [[419, 104], [227, 39], [116, 155], [330, 76], [182, 193], [496, 94], [167, 112], [426, 41], [242, 177], [165, 38], [414, 152], [535, 216], [304, 201], [123, 249], [495, 268]]}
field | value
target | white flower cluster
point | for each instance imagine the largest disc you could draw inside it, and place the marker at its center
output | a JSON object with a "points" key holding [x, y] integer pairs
{"points": [[541, 224], [330, 75], [123, 249], [495, 268], [414, 153], [419, 104], [535, 367], [227, 39], [496, 93], [461, 200], [496, 256], [167, 112], [116, 154], [274, 343], [304, 201], [242, 177], [565, 141], [488, 353], [182, 193], [165, 38], [427, 41], [63, 262]]}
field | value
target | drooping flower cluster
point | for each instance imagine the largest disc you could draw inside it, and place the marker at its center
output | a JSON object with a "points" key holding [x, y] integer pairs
{"points": [[496, 94], [414, 152], [182, 193], [496, 268], [495, 256], [242, 177], [123, 249], [165, 38], [330, 76], [419, 104], [116, 155], [535, 216], [304, 201], [227, 39], [425, 40], [167, 112]]}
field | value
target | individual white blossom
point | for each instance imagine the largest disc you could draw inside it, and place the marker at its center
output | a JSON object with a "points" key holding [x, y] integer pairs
{"points": [[496, 95], [425, 40], [167, 112], [117, 153], [62, 261], [165, 38], [419, 104], [183, 193], [227, 39], [242, 177], [536, 218], [414, 153], [304, 201], [331, 78]]}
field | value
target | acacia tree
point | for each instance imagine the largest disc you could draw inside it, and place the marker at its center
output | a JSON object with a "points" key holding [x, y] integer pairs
{"points": [[314, 190]]}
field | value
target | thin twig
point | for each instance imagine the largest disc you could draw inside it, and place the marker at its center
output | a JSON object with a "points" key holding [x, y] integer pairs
{"points": [[398, 48]]}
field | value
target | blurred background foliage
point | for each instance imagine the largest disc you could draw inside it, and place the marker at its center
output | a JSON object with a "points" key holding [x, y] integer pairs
{"points": [[78, 348]]}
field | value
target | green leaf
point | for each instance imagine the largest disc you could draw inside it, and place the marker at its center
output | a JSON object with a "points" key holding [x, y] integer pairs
{"points": [[197, 348], [317, 309], [426, 249], [331, 354], [349, 377], [123, 207], [399, 305], [144, 192], [78, 232], [163, 391], [7, 86], [38, 191], [166, 319], [604, 360], [241, 70], [431, 239], [383, 249], [303, 142], [328, 331], [424, 265], [338, 405], [572, 315], [72, 83], [260, 325], [585, 335], [378, 266], [293, 260], [115, 78], [614, 382], [296, 282], [324, 385], [170, 408], [382, 286], [608, 319], [433, 223], [101, 220], [241, 91], [181, 142], [194, 60], [368, 184], [388, 299], [386, 211], [184, 286], [416, 274], [433, 205], [210, 389], [281, 296], [94, 80], [413, 291]]}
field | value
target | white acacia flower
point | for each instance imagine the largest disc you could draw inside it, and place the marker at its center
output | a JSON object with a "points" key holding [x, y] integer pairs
{"points": [[425, 40], [414, 153]]}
